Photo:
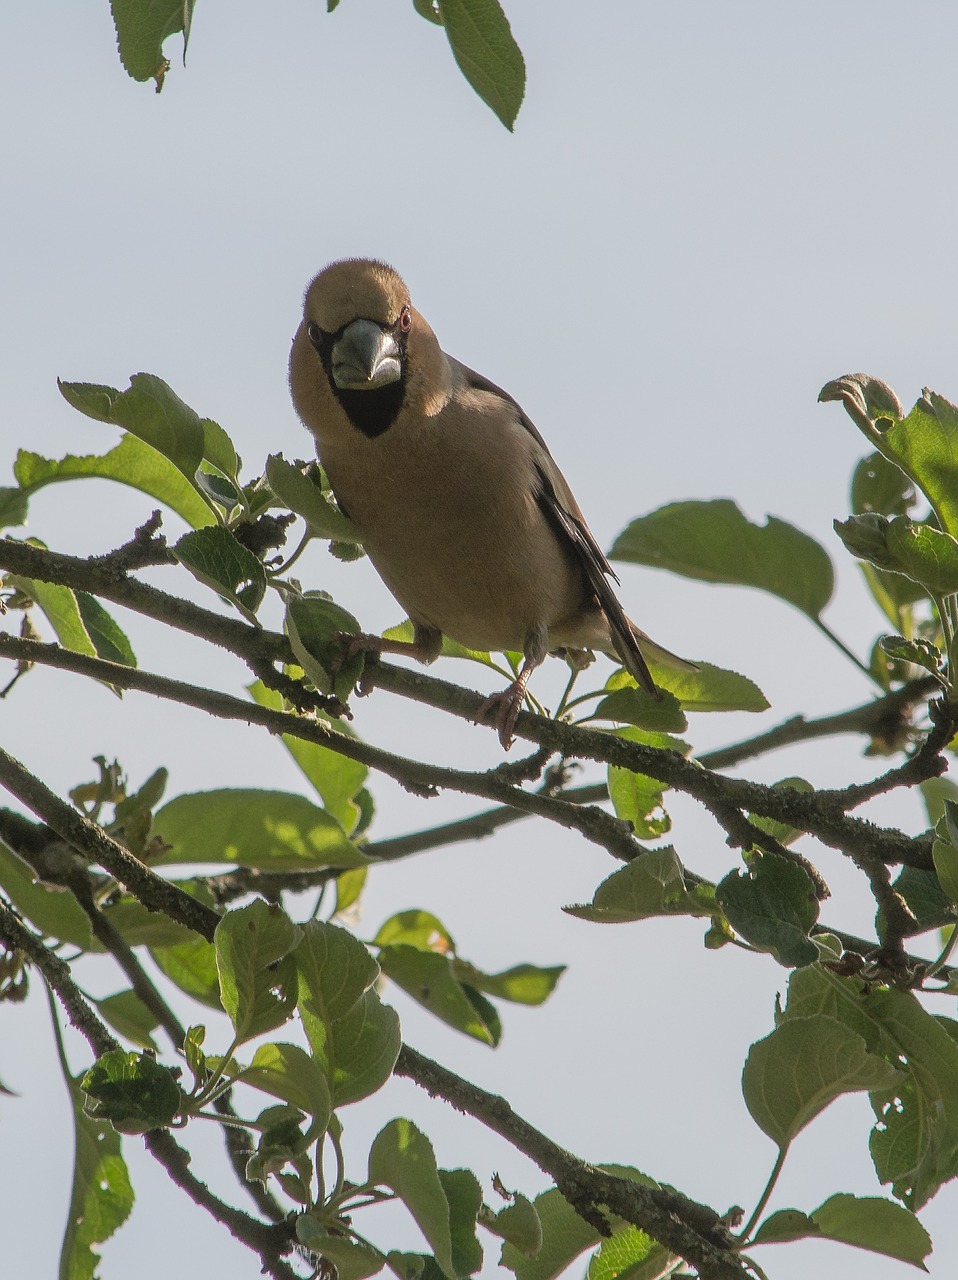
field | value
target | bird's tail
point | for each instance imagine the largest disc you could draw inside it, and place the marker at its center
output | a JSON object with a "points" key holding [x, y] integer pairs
{"points": [[633, 647]]}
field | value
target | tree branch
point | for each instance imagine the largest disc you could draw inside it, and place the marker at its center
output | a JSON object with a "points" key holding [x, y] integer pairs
{"points": [[690, 1230]]}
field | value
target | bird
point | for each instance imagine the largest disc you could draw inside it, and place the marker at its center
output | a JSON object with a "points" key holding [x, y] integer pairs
{"points": [[458, 501]]}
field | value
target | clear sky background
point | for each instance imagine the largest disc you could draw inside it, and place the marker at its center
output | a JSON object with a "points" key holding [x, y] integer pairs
{"points": [[706, 211]]}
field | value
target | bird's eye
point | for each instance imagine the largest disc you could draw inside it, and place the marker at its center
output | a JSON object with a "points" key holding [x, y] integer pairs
{"points": [[405, 320], [314, 333]]}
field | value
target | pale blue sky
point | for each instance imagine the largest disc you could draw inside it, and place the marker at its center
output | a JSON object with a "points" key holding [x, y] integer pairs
{"points": [[706, 212]]}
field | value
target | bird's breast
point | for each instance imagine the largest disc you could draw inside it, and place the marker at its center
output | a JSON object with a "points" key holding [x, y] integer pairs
{"points": [[455, 530]]}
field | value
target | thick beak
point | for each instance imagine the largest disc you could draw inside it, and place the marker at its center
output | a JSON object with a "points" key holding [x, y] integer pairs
{"points": [[365, 357]]}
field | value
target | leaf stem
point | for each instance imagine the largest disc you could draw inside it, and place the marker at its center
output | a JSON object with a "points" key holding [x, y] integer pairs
{"points": [[766, 1194], [840, 644]]}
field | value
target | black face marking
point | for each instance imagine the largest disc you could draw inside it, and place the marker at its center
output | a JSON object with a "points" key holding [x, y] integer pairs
{"points": [[371, 412]]}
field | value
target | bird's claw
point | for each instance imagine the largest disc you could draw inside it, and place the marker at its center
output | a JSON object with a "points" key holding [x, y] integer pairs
{"points": [[500, 711]]}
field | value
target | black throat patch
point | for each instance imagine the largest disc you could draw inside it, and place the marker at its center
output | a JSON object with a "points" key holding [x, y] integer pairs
{"points": [[371, 412]]}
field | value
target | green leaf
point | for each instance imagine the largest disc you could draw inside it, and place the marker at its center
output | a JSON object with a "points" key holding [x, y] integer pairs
{"points": [[349, 1259], [139, 926], [267, 830], [402, 1159], [630, 1254], [148, 409], [637, 799], [450, 648], [218, 449], [13, 507], [880, 485], [652, 884], [257, 979], [487, 55], [870, 1222], [801, 1067], [924, 898], [141, 30], [945, 855], [131, 1090], [915, 1142], [785, 1225], [417, 928], [335, 777], [361, 1049], [710, 688], [353, 1035], [464, 1196], [191, 966], [102, 1196], [714, 542], [431, 981], [127, 1014], [631, 705], [349, 888], [59, 604], [218, 560], [781, 831], [773, 906], [132, 463], [54, 912], [108, 639], [522, 984], [298, 492], [564, 1237], [286, 1071], [316, 626], [518, 1224], [921, 652], [919, 551], [934, 793]]}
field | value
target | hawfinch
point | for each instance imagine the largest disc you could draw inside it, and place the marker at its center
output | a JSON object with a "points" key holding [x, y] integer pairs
{"points": [[460, 506]]}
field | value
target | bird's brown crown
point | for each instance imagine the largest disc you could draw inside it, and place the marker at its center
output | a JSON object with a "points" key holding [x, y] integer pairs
{"points": [[356, 288]]}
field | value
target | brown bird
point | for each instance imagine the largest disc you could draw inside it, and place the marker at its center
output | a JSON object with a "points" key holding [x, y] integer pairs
{"points": [[461, 508]]}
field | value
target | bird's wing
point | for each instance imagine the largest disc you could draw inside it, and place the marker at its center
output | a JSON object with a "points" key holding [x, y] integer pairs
{"points": [[565, 517]]}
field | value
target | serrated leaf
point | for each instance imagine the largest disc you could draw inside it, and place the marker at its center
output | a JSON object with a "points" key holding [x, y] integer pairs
{"points": [[921, 652], [353, 1035], [191, 966], [267, 830], [148, 409], [402, 1158], [13, 507], [919, 551], [54, 912], [257, 974], [629, 1254], [714, 542], [218, 560], [652, 884], [430, 980], [518, 1224], [464, 1196], [133, 463], [786, 1225], [631, 705], [915, 1142], [870, 1222], [773, 906], [922, 893], [487, 55], [218, 449], [710, 688], [296, 491], [127, 1014], [417, 928], [141, 30], [131, 1090], [286, 1071], [522, 984], [316, 626], [101, 1197], [801, 1067], [350, 1259], [335, 777], [879, 485]]}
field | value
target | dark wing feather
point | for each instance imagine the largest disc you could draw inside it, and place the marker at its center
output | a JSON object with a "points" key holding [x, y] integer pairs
{"points": [[562, 512]]}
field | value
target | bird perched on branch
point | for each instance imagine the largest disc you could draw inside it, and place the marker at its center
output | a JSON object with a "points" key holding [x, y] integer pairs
{"points": [[461, 508]]}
